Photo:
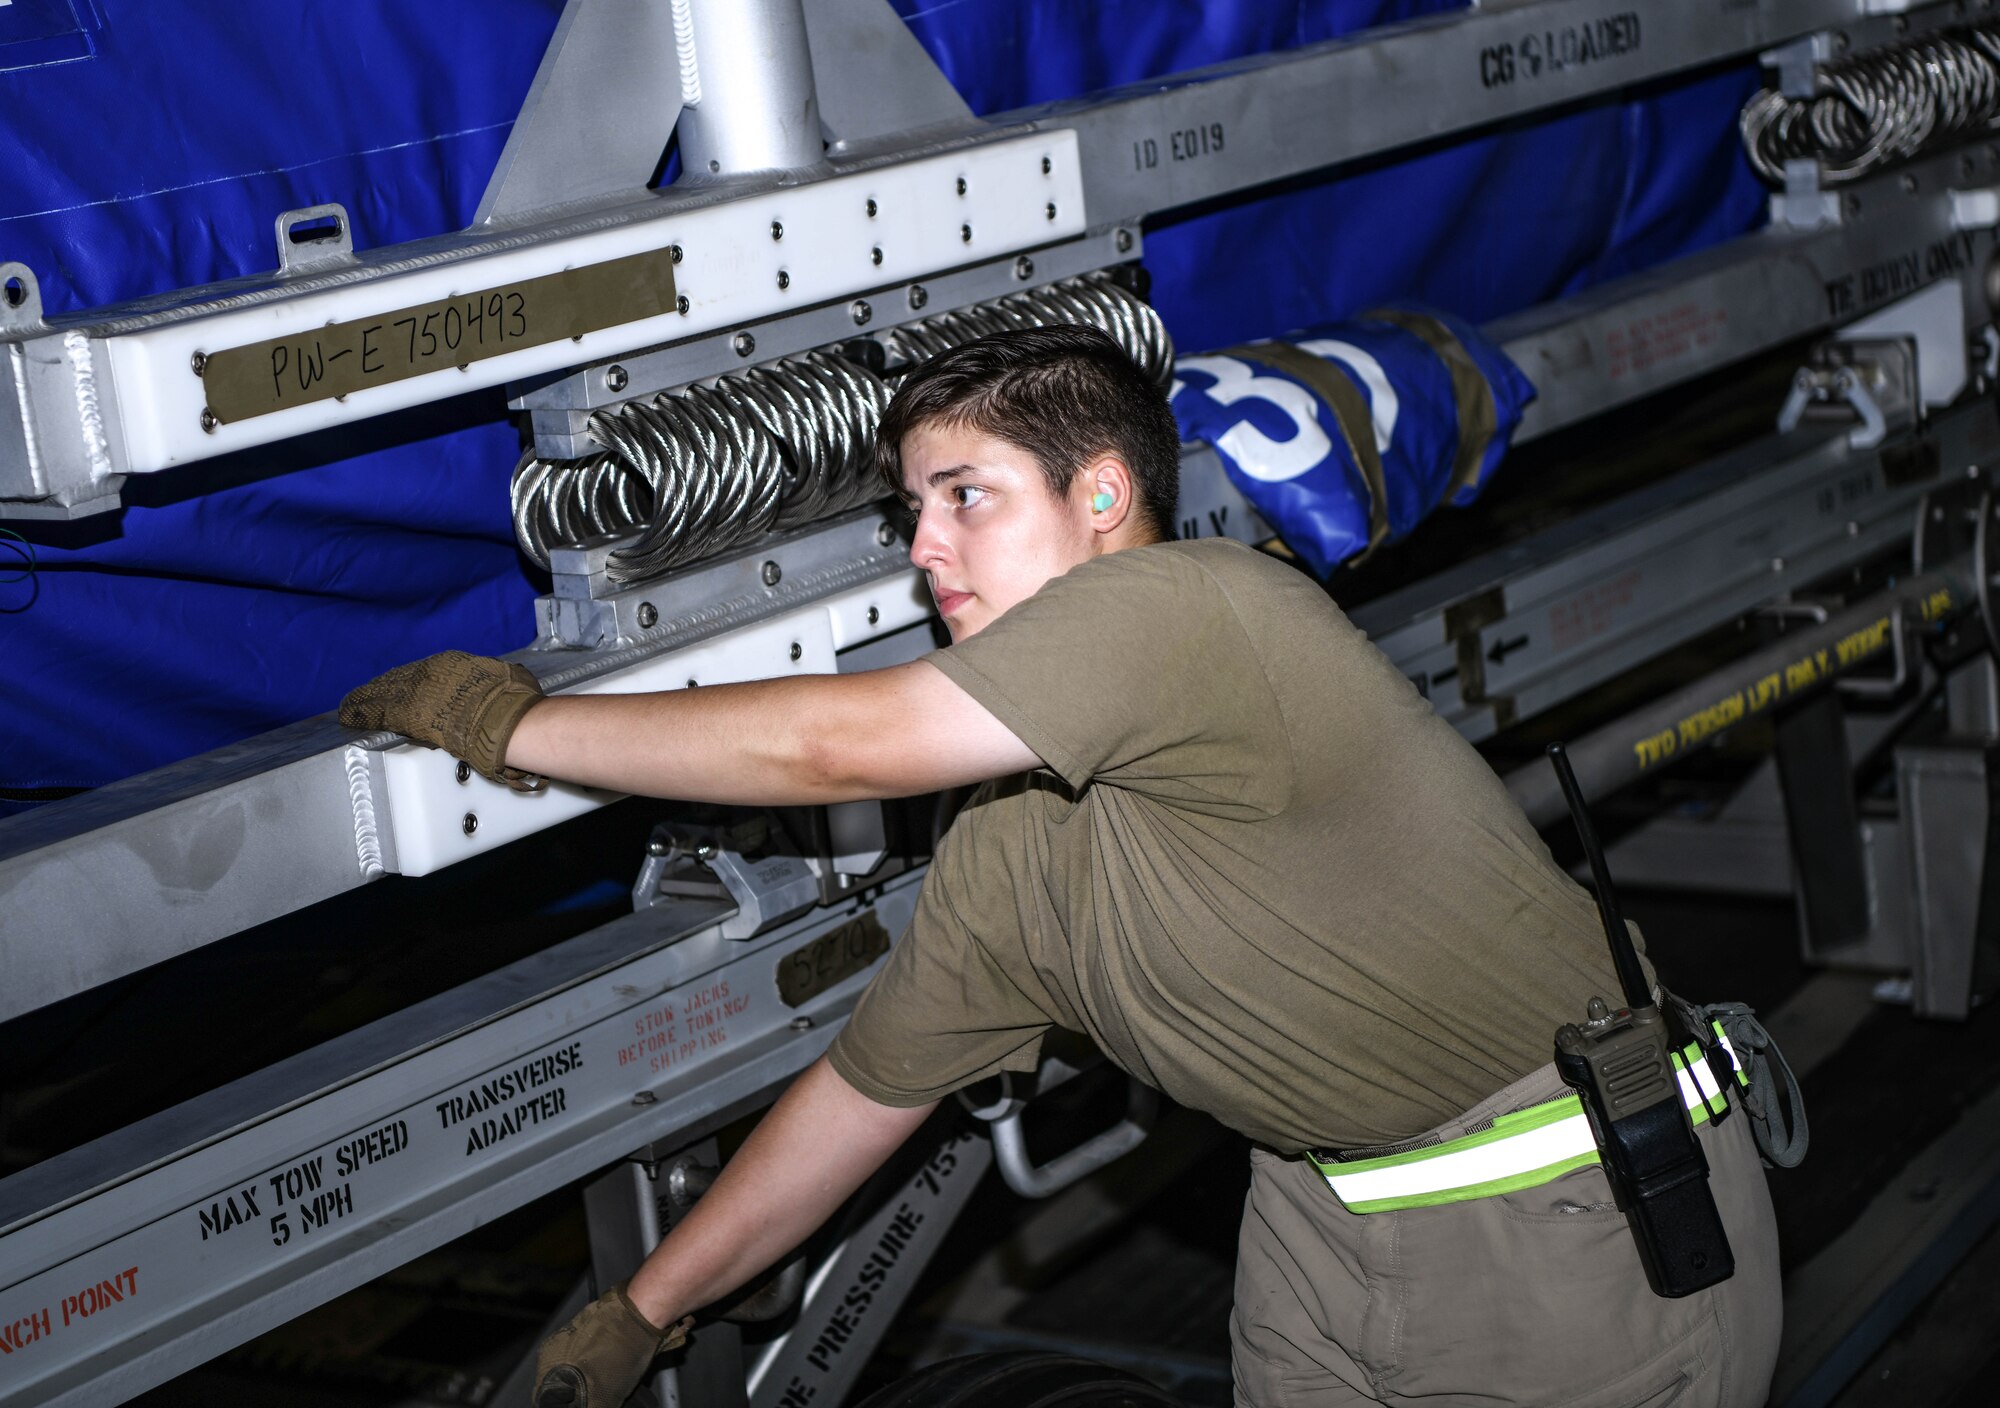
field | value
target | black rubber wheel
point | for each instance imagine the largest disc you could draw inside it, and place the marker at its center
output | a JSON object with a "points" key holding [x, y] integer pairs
{"points": [[1021, 1379]]}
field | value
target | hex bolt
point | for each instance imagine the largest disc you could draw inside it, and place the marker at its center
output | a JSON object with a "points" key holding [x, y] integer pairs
{"points": [[470, 824], [208, 421], [777, 229], [884, 534], [961, 185], [705, 851], [1123, 240], [784, 280], [773, 573], [802, 1024], [1051, 208], [464, 773], [674, 253], [1024, 267], [658, 846], [919, 296], [644, 1097], [649, 615], [871, 207], [744, 344], [965, 233], [681, 303], [1047, 166], [860, 312], [1777, 564], [199, 361], [875, 255], [615, 378], [798, 652], [874, 616]]}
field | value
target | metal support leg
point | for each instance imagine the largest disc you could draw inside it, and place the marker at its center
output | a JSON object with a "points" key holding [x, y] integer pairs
{"points": [[629, 1208], [750, 101], [1949, 793], [1825, 827]]}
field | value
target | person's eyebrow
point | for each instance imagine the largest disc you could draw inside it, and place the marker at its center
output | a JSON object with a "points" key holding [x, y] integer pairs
{"points": [[945, 476]]}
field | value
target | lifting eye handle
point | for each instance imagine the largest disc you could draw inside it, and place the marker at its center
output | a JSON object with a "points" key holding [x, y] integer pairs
{"points": [[1010, 1140]]}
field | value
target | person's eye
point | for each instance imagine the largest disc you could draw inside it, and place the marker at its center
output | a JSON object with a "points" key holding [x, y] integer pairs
{"points": [[966, 495]]}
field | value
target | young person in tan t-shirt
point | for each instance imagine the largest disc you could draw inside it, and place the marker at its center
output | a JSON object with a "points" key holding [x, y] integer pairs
{"points": [[1220, 835]]}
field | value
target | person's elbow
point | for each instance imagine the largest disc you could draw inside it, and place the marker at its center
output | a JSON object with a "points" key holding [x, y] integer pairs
{"points": [[848, 760]]}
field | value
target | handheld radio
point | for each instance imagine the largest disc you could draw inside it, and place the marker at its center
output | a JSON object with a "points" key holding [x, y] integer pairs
{"points": [[1618, 1063]]}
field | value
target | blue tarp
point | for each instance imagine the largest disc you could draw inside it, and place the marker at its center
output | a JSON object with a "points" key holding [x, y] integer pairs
{"points": [[1298, 461], [148, 145]]}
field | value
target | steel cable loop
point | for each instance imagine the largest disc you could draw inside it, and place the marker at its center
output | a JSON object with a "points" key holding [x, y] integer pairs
{"points": [[699, 470], [1873, 109]]}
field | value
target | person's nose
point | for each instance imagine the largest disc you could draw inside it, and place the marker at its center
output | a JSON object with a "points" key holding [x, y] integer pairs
{"points": [[928, 547]]}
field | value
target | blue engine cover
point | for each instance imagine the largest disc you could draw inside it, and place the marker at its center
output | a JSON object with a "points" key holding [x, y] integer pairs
{"points": [[149, 144]]}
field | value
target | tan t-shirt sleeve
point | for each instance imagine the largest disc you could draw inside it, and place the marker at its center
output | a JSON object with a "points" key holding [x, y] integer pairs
{"points": [[1132, 669], [945, 1010]]}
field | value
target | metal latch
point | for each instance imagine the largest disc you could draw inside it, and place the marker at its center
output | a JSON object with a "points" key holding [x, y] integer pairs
{"points": [[742, 864], [1875, 380]]}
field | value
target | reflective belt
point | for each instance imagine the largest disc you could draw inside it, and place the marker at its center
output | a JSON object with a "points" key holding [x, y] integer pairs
{"points": [[1520, 1150]]}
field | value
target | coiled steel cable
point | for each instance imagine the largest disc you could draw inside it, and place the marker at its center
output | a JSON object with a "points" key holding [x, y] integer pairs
{"points": [[1093, 300], [1874, 109], [701, 469], [696, 471]]}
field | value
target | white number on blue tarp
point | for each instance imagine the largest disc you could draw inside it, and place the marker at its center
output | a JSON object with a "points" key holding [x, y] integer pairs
{"points": [[1254, 452], [1382, 401]]}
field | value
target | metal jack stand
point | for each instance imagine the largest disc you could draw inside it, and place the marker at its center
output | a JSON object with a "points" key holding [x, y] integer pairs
{"points": [[1911, 887]]}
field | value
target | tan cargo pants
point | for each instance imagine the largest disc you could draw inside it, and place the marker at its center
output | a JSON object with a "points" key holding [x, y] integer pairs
{"points": [[1524, 1298]]}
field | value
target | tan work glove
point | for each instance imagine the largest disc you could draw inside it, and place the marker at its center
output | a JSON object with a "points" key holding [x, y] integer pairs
{"points": [[467, 705], [597, 1359]]}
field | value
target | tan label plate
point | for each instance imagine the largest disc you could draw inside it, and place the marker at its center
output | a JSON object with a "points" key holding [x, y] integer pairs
{"points": [[811, 969], [342, 358]]}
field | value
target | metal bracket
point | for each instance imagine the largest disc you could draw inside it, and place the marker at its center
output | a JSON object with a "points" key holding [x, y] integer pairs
{"points": [[306, 242], [1876, 379], [20, 300], [709, 862]]}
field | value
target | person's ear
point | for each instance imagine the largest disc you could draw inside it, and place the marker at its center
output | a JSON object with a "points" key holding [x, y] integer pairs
{"points": [[1108, 487]]}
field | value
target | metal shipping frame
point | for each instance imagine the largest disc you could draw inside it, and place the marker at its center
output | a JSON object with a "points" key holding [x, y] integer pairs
{"points": [[148, 1251]]}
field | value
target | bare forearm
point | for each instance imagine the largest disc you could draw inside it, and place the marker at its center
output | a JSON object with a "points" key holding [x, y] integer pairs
{"points": [[799, 741], [747, 744], [817, 1145]]}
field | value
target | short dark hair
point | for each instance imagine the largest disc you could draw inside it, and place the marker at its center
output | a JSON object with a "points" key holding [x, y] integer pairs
{"points": [[1064, 394]]}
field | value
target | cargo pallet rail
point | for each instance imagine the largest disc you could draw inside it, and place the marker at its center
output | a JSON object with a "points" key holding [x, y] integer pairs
{"points": [[616, 1056]]}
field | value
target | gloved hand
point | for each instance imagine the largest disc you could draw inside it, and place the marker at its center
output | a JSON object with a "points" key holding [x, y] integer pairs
{"points": [[466, 704], [597, 1359]]}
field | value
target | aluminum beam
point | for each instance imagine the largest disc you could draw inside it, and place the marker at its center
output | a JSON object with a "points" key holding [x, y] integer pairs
{"points": [[1140, 151], [1509, 634], [1642, 335], [136, 872], [1213, 132], [150, 1251]]}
